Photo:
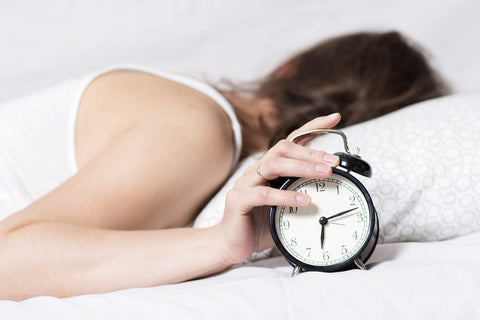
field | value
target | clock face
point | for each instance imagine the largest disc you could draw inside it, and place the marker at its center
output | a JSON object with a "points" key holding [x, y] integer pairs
{"points": [[333, 229]]}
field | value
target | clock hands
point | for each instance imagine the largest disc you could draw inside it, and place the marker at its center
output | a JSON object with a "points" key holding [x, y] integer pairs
{"points": [[322, 236], [324, 220], [340, 214]]}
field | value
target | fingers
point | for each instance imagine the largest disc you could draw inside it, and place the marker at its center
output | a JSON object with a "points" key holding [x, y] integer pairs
{"points": [[294, 168], [317, 123], [288, 159], [285, 159], [263, 195], [291, 159], [285, 148]]}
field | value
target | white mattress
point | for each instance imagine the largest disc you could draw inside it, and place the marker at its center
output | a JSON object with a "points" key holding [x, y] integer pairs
{"points": [[434, 280]]}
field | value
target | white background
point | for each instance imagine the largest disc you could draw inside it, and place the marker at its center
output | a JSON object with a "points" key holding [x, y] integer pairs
{"points": [[45, 42]]}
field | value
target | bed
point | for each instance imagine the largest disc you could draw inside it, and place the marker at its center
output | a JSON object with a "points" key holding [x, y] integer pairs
{"points": [[426, 177]]}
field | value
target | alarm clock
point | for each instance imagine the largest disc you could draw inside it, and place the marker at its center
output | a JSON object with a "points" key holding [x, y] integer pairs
{"points": [[339, 229]]}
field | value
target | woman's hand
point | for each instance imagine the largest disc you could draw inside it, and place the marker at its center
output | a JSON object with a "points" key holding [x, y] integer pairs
{"points": [[244, 228]]}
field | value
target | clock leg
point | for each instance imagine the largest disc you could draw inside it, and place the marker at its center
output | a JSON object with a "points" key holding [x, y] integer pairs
{"points": [[296, 270], [360, 264]]}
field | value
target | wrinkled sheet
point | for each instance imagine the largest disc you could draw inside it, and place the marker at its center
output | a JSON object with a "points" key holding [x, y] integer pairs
{"points": [[431, 280]]}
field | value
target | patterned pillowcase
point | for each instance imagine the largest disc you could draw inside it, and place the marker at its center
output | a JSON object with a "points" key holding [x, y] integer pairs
{"points": [[426, 177]]}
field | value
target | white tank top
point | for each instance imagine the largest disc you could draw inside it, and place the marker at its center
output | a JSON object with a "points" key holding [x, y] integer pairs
{"points": [[37, 137]]}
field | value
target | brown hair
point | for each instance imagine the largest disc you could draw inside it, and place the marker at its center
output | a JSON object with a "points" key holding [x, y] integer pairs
{"points": [[361, 76]]}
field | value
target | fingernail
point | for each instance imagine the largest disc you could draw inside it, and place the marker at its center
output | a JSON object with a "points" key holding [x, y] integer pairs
{"points": [[333, 115], [302, 198], [331, 159], [322, 168]]}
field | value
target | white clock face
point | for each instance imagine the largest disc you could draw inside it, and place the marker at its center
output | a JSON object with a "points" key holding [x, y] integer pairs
{"points": [[332, 229]]}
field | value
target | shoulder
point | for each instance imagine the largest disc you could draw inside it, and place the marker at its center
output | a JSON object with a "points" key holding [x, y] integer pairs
{"points": [[154, 153], [166, 167], [165, 111], [196, 132], [176, 121], [191, 120]]}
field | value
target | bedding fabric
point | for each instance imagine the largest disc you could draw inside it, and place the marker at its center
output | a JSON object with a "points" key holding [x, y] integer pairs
{"points": [[432, 280]]}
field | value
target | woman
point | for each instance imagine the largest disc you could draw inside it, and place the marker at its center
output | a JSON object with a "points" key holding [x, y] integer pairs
{"points": [[149, 149]]}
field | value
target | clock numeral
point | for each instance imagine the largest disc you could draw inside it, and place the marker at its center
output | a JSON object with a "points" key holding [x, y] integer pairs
{"points": [[309, 250], [320, 186], [355, 235], [326, 256], [286, 224], [293, 210], [293, 242], [352, 200], [338, 190], [360, 217], [344, 249]]}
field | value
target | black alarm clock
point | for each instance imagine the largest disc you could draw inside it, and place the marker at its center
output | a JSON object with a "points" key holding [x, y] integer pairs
{"points": [[339, 229]]}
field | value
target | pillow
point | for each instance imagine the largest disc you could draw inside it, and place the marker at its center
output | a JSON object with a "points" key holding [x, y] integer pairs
{"points": [[426, 177]]}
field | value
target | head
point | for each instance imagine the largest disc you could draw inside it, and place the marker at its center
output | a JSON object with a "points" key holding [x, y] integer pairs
{"points": [[361, 76]]}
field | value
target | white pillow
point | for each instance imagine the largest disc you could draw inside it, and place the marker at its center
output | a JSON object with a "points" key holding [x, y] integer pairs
{"points": [[426, 173]]}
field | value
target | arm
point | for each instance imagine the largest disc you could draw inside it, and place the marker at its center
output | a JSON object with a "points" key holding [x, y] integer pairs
{"points": [[67, 258], [84, 237], [62, 259]]}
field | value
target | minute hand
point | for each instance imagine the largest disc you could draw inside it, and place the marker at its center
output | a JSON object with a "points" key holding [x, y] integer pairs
{"points": [[341, 213]]}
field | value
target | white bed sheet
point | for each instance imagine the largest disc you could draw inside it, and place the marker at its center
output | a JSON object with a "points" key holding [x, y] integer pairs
{"points": [[433, 280]]}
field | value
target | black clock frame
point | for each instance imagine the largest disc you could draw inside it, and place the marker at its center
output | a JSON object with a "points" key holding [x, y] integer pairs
{"points": [[363, 253]]}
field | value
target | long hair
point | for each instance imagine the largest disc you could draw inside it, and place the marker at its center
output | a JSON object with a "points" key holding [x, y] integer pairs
{"points": [[361, 76]]}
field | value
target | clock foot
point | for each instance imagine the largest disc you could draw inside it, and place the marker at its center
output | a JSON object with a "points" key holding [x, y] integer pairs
{"points": [[360, 264], [296, 270]]}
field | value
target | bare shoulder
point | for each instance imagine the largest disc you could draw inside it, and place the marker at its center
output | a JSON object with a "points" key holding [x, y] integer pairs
{"points": [[152, 158], [198, 135], [123, 99], [176, 141], [195, 126]]}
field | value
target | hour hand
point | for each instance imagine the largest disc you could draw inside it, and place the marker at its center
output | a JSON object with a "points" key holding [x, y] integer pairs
{"points": [[322, 235], [341, 213]]}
